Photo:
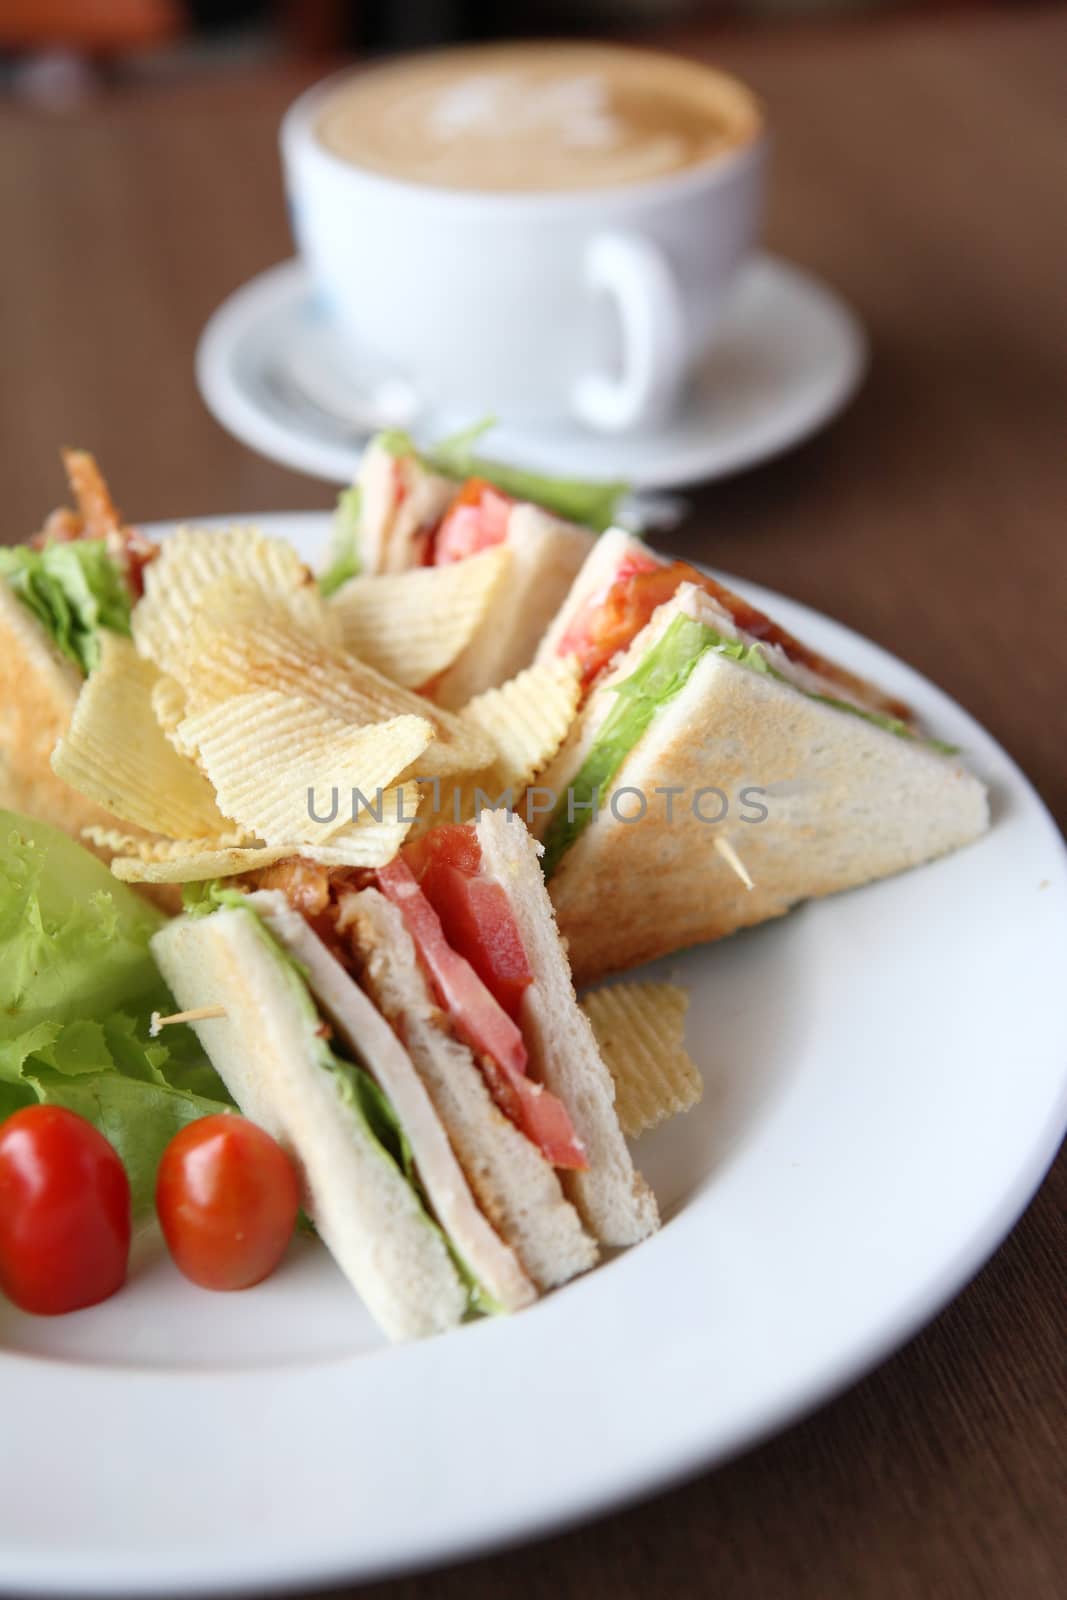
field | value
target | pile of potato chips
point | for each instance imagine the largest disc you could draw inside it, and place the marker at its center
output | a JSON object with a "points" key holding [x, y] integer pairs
{"points": [[251, 719]]}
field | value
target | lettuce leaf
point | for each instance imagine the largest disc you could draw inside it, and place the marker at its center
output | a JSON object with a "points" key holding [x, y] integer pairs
{"points": [[74, 590], [594, 505], [662, 673], [77, 989], [343, 559]]}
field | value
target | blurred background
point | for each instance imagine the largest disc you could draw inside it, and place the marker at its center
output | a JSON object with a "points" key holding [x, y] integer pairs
{"points": [[57, 53]]}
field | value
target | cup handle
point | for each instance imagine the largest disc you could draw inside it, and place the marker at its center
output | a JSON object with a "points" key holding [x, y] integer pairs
{"points": [[635, 273]]}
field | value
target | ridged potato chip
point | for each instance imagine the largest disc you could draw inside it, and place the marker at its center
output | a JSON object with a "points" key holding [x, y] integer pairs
{"points": [[193, 560], [288, 770], [168, 707], [640, 1029], [116, 754], [528, 718], [413, 625], [366, 844], [151, 847], [273, 654]]}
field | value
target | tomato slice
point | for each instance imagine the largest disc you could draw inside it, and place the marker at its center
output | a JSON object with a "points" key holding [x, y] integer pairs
{"points": [[64, 1212], [475, 914], [483, 1024], [477, 1018], [611, 619], [453, 842], [476, 520], [477, 921]]}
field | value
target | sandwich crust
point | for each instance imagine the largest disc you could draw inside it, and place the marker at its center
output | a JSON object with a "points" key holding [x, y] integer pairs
{"points": [[546, 554], [514, 1184], [612, 1198]]}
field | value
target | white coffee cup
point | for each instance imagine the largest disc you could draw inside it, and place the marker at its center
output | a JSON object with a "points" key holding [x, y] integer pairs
{"points": [[593, 305]]}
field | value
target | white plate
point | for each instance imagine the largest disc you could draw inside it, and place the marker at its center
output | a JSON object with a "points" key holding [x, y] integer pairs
{"points": [[272, 370], [886, 1083]]}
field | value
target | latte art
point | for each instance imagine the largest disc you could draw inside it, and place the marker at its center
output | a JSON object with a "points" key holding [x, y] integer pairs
{"points": [[533, 118]]}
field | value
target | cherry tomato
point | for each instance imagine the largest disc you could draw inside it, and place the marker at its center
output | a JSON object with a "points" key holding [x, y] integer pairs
{"points": [[64, 1212], [227, 1196]]}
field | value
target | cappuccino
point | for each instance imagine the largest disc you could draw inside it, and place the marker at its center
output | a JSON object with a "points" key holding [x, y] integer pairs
{"points": [[536, 118]]}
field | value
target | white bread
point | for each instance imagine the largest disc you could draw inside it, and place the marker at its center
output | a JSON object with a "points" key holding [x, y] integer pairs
{"points": [[400, 501], [546, 555], [612, 1198], [515, 1186], [367, 1214], [847, 802], [372, 1041]]}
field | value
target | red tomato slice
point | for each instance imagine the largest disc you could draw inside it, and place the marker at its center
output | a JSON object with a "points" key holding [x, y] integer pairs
{"points": [[475, 914], [610, 620], [64, 1212], [476, 520], [482, 1024], [477, 921], [453, 842], [227, 1196]]}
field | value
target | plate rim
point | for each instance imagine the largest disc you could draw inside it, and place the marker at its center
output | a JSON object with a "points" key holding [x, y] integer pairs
{"points": [[248, 306], [119, 1573]]}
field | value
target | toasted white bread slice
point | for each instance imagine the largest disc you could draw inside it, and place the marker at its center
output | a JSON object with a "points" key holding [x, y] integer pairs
{"points": [[818, 799], [367, 1213], [546, 555], [371, 1040], [400, 502], [611, 1196], [595, 577], [515, 1186]]}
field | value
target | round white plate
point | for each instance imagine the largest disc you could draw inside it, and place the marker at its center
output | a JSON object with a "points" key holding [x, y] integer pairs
{"points": [[272, 369], [886, 1083]]}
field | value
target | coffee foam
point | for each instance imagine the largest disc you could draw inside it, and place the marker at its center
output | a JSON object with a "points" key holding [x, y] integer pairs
{"points": [[537, 118]]}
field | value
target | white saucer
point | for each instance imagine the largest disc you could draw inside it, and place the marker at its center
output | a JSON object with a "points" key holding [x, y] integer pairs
{"points": [[271, 370]]}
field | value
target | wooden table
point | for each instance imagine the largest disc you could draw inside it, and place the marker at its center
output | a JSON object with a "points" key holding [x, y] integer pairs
{"points": [[922, 167]]}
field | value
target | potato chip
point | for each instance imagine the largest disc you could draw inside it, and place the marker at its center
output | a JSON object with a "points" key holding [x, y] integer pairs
{"points": [[287, 769], [640, 1029], [193, 560], [116, 754], [168, 707], [368, 844], [273, 654], [413, 625], [151, 847], [528, 717]]}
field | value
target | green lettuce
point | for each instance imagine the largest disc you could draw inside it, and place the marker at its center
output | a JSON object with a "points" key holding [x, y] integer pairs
{"points": [[73, 589], [661, 675], [343, 559], [77, 989], [594, 505]]}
